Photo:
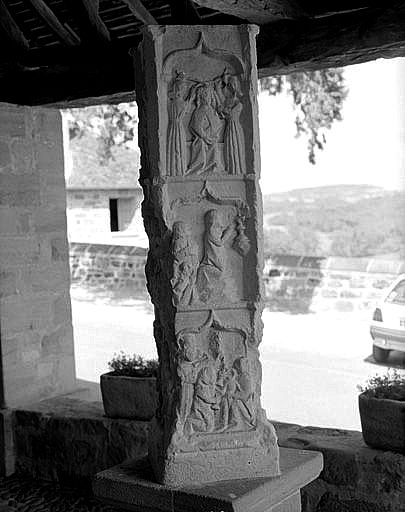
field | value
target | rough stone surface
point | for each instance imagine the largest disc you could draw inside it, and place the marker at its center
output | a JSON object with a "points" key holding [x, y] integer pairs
{"points": [[36, 346], [25, 495], [131, 485], [128, 397], [355, 478], [198, 132], [70, 440]]}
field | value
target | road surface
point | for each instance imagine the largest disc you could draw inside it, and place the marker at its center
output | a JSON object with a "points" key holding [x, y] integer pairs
{"points": [[312, 363]]}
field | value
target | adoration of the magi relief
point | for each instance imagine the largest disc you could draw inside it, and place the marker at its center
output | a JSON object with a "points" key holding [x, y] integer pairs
{"points": [[218, 381]]}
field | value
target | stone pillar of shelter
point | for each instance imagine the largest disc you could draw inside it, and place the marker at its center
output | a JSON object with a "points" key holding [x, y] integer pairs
{"points": [[199, 138], [37, 359]]}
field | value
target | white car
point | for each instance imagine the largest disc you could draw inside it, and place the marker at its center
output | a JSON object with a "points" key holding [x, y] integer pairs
{"points": [[388, 325]]}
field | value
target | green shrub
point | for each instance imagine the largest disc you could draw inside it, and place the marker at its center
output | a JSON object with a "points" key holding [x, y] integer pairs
{"points": [[390, 386], [133, 366]]}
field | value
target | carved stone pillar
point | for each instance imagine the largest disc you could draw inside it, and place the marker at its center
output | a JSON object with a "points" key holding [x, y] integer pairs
{"points": [[197, 95]]}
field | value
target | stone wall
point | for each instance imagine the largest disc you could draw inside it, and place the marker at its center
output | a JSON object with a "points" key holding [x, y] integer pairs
{"points": [[112, 268], [293, 283], [302, 284], [37, 357], [68, 440]]}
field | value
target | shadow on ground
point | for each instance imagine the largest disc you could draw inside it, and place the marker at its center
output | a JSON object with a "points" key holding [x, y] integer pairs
{"points": [[395, 360]]}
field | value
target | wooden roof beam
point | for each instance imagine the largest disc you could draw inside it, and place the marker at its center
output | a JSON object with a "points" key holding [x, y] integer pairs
{"points": [[88, 18], [140, 11], [257, 11], [11, 29], [66, 35], [184, 12], [287, 46]]}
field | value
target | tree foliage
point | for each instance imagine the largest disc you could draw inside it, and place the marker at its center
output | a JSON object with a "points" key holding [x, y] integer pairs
{"points": [[112, 125], [318, 98]]}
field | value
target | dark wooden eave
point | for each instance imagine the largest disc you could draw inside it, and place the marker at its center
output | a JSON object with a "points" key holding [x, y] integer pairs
{"points": [[88, 59]]}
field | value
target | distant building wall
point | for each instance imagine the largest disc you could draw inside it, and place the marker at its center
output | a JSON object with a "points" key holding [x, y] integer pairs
{"points": [[302, 284], [88, 211]]}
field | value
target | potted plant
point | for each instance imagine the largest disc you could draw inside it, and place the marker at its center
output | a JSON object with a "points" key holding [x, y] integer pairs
{"points": [[129, 388], [382, 411]]}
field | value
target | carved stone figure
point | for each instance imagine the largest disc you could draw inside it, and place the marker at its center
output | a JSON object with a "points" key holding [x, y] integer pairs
{"points": [[185, 264], [229, 92], [204, 126], [191, 362], [242, 402], [205, 403], [179, 103], [211, 272]]}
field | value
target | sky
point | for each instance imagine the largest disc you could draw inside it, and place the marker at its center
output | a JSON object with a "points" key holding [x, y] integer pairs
{"points": [[367, 147]]}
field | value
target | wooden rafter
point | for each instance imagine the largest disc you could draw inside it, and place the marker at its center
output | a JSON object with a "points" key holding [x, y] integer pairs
{"points": [[184, 12], [67, 36], [256, 11], [88, 18], [64, 74], [11, 29], [140, 11], [287, 46]]}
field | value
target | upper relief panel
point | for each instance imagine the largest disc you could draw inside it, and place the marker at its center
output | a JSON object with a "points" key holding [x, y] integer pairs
{"points": [[208, 104]]}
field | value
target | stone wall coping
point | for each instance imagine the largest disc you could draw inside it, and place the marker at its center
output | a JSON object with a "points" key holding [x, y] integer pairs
{"points": [[107, 249], [355, 476], [369, 265]]}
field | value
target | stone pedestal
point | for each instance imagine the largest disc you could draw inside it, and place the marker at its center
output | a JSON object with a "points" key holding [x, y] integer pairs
{"points": [[130, 486], [196, 87]]}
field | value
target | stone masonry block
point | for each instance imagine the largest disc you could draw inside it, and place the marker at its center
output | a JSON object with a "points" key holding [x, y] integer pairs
{"points": [[5, 155], [19, 190], [18, 251], [22, 156], [12, 121], [47, 220], [8, 283], [13, 221], [48, 124], [54, 342], [7, 454], [66, 439], [61, 309]]}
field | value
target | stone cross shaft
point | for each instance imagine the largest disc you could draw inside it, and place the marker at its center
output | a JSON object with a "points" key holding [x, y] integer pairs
{"points": [[196, 89]]}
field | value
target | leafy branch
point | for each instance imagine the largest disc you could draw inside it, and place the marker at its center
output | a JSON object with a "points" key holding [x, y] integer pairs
{"points": [[318, 98]]}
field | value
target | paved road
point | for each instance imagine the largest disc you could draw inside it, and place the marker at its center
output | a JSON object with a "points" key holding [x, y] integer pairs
{"points": [[312, 363]]}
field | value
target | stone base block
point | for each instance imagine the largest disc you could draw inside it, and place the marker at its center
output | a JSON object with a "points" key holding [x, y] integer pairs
{"points": [[183, 469], [131, 486], [7, 454]]}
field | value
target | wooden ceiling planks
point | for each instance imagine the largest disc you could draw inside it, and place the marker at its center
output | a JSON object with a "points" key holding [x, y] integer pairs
{"points": [[61, 70], [11, 30], [61, 30]]}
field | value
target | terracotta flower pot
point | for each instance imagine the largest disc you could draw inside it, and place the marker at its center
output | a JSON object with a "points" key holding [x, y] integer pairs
{"points": [[132, 398], [383, 422]]}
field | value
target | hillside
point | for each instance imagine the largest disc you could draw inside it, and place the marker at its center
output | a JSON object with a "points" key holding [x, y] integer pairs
{"points": [[342, 220]]}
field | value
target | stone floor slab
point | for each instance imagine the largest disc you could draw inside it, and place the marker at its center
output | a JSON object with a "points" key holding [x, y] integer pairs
{"points": [[131, 486]]}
